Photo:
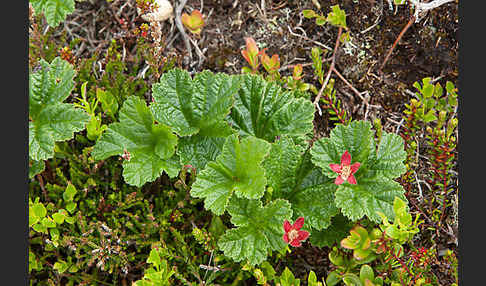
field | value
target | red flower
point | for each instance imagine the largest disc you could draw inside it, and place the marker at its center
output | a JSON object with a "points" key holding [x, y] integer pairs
{"points": [[293, 234], [345, 169]]}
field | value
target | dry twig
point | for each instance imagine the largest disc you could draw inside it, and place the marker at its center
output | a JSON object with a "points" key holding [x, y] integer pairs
{"points": [[181, 30]]}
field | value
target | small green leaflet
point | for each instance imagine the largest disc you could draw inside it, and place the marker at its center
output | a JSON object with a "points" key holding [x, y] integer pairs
{"points": [[237, 169], [262, 109], [337, 17], [51, 120], [259, 229], [55, 11], [196, 105], [160, 272], [151, 146], [288, 279]]}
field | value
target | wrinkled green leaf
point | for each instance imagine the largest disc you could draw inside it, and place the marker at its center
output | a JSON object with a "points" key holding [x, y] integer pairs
{"points": [[389, 158], [36, 168], [259, 229], [198, 150], [237, 169], [151, 146], [50, 119], [293, 177], [356, 138], [375, 189], [55, 11], [196, 105], [367, 198], [263, 109]]}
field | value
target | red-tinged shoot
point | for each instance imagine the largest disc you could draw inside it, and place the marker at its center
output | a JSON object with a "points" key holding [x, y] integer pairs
{"points": [[297, 73], [194, 22], [251, 53], [293, 235], [270, 64], [345, 170]]}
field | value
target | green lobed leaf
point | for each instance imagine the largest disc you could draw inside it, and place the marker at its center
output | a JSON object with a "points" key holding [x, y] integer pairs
{"points": [[259, 229], [196, 105], [55, 11], [375, 189], [292, 176], [237, 169], [282, 164], [389, 158], [144, 167], [151, 146], [356, 138], [36, 168], [50, 119], [198, 150], [368, 197], [264, 110], [52, 83]]}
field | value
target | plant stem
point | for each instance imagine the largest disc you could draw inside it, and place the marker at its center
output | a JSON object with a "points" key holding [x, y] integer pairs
{"points": [[331, 68], [410, 22]]}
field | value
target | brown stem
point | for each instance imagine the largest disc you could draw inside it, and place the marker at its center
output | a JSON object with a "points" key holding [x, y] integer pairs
{"points": [[410, 22], [331, 68]]}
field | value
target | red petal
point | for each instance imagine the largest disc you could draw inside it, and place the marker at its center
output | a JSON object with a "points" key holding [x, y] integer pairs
{"points": [[355, 167], [295, 243], [338, 180], [335, 167], [299, 223], [346, 159], [286, 238], [303, 235], [287, 226], [352, 180]]}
